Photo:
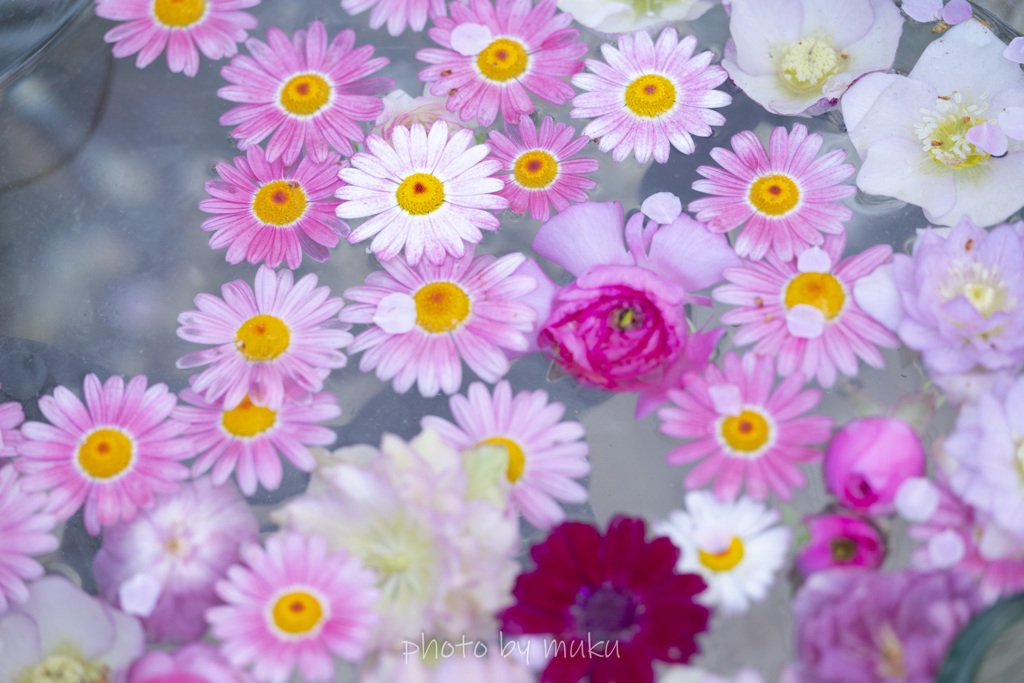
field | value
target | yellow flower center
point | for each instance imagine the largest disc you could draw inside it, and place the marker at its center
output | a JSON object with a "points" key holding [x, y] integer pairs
{"points": [[179, 13], [420, 194], [297, 612], [535, 169], [262, 338], [105, 453], [305, 94], [516, 458], [723, 561], [247, 419], [746, 432], [440, 307], [281, 202], [806, 65], [1019, 459], [774, 195], [843, 549], [943, 132], [502, 60], [820, 290], [61, 668], [650, 95]]}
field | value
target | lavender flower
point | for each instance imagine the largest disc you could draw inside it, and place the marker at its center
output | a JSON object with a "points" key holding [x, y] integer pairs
{"points": [[855, 625], [163, 565], [958, 299]]}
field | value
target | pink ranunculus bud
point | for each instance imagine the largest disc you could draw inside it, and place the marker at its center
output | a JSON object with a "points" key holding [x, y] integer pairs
{"points": [[616, 325], [840, 540], [867, 461]]}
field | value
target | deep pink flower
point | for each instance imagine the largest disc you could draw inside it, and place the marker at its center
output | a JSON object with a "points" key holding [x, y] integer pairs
{"points": [[840, 540], [542, 173], [743, 429], [195, 663], [621, 324], [867, 461], [269, 212], [618, 588], [397, 13], [498, 53], [784, 200], [215, 27], [113, 453], [855, 625], [803, 314], [24, 532], [303, 92]]}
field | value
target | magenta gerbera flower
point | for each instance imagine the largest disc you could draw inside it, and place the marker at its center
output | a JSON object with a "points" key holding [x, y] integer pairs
{"points": [[650, 97], [803, 313], [425, 319], [545, 454], [303, 92], [249, 440], [281, 336], [113, 453], [426, 193], [618, 593], [24, 533], [397, 13], [214, 26], [742, 429], [292, 606], [786, 199], [542, 173], [269, 212], [498, 53]]}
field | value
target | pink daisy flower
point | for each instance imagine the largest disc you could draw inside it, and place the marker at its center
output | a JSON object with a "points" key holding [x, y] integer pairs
{"points": [[786, 199], [280, 336], [113, 453], [214, 26], [497, 54], [292, 606], [742, 429], [545, 454], [397, 13], [269, 212], [803, 313], [542, 173], [425, 319], [24, 532], [250, 440], [425, 192], [650, 97], [303, 92]]}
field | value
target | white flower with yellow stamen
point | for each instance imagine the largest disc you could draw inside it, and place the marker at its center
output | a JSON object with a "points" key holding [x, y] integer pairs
{"points": [[736, 548]]}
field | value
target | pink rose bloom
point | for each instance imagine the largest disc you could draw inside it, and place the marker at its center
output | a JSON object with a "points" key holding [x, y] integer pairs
{"points": [[839, 540], [195, 663], [621, 325], [867, 461]]}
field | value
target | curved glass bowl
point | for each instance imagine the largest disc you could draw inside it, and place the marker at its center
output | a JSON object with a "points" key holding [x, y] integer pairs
{"points": [[102, 168], [991, 648]]}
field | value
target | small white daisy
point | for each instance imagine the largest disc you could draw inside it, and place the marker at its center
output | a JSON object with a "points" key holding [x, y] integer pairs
{"points": [[734, 546]]}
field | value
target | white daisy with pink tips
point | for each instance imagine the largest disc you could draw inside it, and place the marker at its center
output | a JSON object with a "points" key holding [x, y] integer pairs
{"points": [[803, 312], [545, 453], [427, 320], [293, 605], [283, 335]]}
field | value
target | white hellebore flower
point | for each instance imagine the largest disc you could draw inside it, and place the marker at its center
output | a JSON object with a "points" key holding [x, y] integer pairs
{"points": [[797, 57], [948, 136], [623, 16]]}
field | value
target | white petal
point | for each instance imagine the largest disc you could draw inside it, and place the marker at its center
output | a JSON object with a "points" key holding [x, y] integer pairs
{"points": [[805, 321], [814, 260], [1011, 121], [396, 313], [917, 499], [945, 549], [139, 594], [470, 39], [877, 296], [663, 207], [726, 399]]}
